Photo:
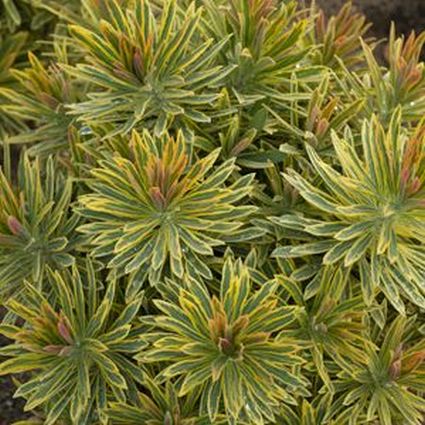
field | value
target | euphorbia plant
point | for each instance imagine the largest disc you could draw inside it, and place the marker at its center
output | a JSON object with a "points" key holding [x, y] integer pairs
{"points": [[77, 343], [37, 225], [231, 347], [211, 212], [374, 209]]}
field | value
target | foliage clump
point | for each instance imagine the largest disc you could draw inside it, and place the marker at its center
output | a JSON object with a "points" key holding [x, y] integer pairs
{"points": [[211, 212]]}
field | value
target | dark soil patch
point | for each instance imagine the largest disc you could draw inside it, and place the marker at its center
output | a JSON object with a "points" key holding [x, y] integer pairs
{"points": [[408, 15], [11, 409]]}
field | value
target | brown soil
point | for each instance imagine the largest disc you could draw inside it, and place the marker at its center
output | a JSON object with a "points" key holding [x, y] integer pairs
{"points": [[11, 409], [407, 14]]}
